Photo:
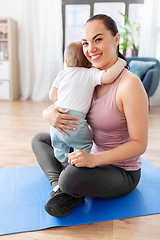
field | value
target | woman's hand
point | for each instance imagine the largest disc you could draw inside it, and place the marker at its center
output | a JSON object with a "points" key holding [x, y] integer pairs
{"points": [[57, 118], [80, 158]]}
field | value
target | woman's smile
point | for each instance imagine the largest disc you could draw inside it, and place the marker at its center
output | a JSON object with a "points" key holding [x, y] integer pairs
{"points": [[95, 57]]}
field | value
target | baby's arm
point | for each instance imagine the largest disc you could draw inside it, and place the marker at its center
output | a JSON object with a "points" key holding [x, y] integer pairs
{"points": [[53, 94], [112, 73]]}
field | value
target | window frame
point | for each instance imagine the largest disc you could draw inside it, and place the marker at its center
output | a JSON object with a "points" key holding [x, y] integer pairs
{"points": [[91, 3]]}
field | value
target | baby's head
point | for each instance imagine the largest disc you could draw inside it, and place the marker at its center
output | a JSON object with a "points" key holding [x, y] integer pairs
{"points": [[74, 57]]}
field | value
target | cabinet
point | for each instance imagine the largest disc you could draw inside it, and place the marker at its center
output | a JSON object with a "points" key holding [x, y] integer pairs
{"points": [[9, 69]]}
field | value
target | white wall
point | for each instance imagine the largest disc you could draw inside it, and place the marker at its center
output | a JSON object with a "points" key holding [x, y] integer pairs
{"points": [[150, 37], [9, 8], [155, 99]]}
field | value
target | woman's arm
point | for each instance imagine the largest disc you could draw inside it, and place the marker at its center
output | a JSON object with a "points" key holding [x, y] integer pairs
{"points": [[131, 100], [112, 73], [58, 118]]}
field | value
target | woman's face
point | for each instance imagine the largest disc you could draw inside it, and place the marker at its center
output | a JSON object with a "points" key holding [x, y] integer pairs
{"points": [[99, 46]]}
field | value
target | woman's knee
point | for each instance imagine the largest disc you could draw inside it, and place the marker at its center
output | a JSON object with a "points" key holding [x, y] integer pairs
{"points": [[69, 180], [39, 138], [35, 140]]}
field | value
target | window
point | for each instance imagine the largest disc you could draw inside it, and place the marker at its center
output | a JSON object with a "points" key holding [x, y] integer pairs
{"points": [[111, 9], [76, 16], [136, 12], [76, 12]]}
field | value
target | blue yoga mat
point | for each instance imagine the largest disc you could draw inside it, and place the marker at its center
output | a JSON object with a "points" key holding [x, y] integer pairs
{"points": [[25, 190]]}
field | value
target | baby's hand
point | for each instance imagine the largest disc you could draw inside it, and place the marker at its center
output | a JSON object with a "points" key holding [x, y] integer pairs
{"points": [[80, 158], [125, 63]]}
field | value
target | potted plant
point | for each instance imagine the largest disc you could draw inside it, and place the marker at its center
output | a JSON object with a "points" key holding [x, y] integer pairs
{"points": [[130, 33], [3, 31]]}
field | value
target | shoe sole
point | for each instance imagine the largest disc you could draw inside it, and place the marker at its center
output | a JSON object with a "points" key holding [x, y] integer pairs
{"points": [[62, 204]]}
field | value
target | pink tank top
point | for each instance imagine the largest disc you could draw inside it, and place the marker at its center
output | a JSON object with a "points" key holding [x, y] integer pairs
{"points": [[109, 126]]}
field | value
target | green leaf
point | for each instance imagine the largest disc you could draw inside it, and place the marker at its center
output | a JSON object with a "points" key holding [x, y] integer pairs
{"points": [[126, 18], [130, 33]]}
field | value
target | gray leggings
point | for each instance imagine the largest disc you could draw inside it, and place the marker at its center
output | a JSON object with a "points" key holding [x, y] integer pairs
{"points": [[103, 181]]}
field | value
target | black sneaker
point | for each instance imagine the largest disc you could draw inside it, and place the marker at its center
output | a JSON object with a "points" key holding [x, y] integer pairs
{"points": [[61, 204]]}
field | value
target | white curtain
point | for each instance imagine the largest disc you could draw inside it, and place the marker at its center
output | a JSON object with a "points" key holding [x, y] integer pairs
{"points": [[150, 34], [150, 38], [40, 47]]}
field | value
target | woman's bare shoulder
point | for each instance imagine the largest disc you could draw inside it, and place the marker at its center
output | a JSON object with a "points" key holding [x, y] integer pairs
{"points": [[129, 77], [131, 86], [130, 81]]}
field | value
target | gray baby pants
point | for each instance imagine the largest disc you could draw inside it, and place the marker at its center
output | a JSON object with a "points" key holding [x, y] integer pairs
{"points": [[81, 138]]}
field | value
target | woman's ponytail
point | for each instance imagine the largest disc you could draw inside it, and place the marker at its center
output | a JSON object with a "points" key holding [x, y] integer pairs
{"points": [[120, 55]]}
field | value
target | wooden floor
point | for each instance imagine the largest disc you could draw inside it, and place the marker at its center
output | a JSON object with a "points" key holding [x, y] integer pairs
{"points": [[19, 121]]}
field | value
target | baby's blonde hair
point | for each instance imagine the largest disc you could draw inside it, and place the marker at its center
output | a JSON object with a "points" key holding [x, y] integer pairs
{"points": [[74, 56]]}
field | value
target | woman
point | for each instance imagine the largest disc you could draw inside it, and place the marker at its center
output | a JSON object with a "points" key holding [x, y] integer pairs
{"points": [[118, 121]]}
